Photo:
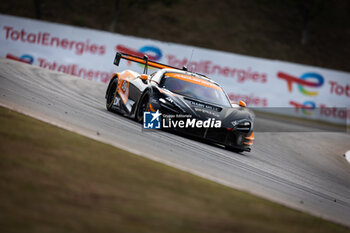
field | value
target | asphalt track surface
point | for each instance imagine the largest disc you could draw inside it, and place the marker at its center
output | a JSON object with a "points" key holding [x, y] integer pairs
{"points": [[303, 170]]}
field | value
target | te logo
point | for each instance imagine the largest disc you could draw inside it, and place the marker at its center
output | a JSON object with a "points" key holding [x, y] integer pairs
{"points": [[307, 107], [302, 82], [24, 58], [151, 120]]}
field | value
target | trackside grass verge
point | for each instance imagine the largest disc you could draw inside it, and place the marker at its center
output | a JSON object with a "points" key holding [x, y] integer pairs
{"points": [[52, 180]]}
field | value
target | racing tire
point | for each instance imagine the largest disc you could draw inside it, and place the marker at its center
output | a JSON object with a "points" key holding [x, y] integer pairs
{"points": [[143, 106], [112, 92]]}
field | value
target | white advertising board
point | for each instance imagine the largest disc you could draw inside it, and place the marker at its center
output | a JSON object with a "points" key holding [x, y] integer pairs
{"points": [[260, 82]]}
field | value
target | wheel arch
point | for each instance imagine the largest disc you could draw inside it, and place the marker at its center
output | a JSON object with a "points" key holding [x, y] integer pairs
{"points": [[146, 90]]}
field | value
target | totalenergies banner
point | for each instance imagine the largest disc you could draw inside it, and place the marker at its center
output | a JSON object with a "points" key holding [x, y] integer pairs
{"points": [[312, 92]]}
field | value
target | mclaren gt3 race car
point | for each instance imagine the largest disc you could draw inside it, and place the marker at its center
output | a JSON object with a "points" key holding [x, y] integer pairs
{"points": [[178, 92]]}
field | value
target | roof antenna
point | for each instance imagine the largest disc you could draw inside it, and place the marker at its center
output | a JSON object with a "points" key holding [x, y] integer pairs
{"points": [[189, 61]]}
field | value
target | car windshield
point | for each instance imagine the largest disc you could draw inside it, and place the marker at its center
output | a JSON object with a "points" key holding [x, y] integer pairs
{"points": [[194, 87]]}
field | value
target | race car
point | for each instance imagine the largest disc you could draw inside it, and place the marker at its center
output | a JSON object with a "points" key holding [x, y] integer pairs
{"points": [[183, 95]]}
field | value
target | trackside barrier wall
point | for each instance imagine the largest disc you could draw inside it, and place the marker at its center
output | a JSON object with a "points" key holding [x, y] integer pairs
{"points": [[313, 92]]}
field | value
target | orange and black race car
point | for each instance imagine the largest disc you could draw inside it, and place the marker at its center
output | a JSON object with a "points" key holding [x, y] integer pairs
{"points": [[180, 95]]}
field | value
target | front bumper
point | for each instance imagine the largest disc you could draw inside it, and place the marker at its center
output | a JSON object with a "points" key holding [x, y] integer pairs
{"points": [[223, 136]]}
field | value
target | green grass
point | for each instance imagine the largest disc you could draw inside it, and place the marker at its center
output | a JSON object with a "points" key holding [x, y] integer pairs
{"points": [[52, 180]]}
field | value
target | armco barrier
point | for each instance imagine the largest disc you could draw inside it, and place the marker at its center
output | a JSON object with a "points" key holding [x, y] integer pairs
{"points": [[260, 82]]}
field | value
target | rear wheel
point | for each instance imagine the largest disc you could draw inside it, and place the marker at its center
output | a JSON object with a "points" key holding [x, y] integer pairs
{"points": [[143, 106], [112, 92]]}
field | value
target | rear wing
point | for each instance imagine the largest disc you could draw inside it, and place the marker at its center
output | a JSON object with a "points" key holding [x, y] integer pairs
{"points": [[143, 60]]}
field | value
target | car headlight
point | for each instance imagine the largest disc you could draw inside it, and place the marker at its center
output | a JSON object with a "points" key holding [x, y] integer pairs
{"points": [[243, 126], [240, 123]]}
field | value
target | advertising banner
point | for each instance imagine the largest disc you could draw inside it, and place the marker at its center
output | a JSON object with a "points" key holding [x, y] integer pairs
{"points": [[313, 92]]}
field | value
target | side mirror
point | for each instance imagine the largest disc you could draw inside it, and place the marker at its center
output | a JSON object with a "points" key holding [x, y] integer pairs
{"points": [[242, 103], [144, 77]]}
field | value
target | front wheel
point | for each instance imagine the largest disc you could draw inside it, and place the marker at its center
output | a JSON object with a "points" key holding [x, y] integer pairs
{"points": [[143, 106], [111, 95]]}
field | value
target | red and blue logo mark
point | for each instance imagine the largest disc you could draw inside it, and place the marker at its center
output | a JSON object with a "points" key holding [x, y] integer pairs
{"points": [[26, 58], [305, 107], [302, 82], [152, 52]]}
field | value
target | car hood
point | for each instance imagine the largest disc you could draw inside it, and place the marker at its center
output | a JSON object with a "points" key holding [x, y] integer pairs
{"points": [[229, 116]]}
